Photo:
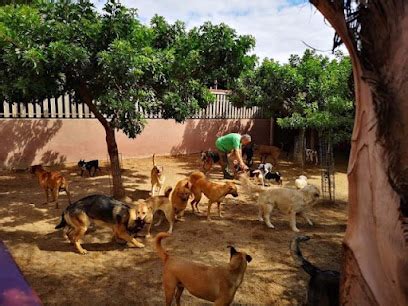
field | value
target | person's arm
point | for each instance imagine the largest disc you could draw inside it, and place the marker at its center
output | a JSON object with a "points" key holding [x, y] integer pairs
{"points": [[238, 154]]}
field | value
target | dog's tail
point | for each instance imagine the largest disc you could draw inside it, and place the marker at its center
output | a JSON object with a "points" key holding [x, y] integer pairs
{"points": [[250, 187], [298, 257], [62, 223], [159, 249], [167, 191], [154, 164], [195, 176]]}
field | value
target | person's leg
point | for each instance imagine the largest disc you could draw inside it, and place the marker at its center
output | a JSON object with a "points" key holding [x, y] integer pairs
{"points": [[224, 164]]}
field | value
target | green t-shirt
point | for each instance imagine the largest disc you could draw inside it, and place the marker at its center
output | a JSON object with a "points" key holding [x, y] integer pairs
{"points": [[228, 142]]}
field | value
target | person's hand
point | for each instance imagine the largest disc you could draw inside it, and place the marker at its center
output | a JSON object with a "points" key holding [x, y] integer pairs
{"points": [[243, 166]]}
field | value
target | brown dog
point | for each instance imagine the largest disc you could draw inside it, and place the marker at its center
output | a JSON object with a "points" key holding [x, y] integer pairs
{"points": [[157, 178], [265, 151], [51, 180], [214, 284], [215, 192], [161, 203], [180, 196]]}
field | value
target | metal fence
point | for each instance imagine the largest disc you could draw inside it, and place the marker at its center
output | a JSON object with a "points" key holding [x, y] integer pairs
{"points": [[65, 107]]}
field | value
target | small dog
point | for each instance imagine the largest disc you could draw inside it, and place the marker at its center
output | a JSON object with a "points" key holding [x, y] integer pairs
{"points": [[157, 178], [215, 192], [92, 164], [209, 158], [51, 181], [265, 151], [163, 204], [180, 196], [323, 287], [214, 284], [301, 182], [289, 201], [273, 176], [123, 219], [311, 155]]}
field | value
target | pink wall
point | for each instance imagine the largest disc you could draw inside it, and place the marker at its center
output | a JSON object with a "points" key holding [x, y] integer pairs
{"points": [[31, 141]]}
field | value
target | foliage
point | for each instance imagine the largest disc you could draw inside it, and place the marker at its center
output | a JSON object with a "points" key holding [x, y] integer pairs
{"points": [[50, 48], [308, 92]]}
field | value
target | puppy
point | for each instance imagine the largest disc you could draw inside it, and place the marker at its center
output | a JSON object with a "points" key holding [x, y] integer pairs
{"points": [[215, 192], [157, 178], [273, 176], [214, 284], [163, 204], [289, 201], [265, 151], [92, 164], [209, 158], [301, 182], [265, 168], [123, 219], [51, 181], [180, 196], [323, 287]]}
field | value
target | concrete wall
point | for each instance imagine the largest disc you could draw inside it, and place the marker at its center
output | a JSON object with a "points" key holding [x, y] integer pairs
{"points": [[52, 141]]}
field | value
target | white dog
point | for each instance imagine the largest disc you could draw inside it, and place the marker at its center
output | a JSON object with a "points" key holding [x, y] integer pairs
{"points": [[311, 155], [289, 201], [301, 182]]}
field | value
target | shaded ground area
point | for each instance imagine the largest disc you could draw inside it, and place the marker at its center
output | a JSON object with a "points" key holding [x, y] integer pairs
{"points": [[111, 274]]}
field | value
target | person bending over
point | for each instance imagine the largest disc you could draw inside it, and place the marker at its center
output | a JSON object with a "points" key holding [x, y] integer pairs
{"points": [[231, 143]]}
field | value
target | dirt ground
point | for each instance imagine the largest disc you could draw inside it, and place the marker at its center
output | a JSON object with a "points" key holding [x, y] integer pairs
{"points": [[115, 275]]}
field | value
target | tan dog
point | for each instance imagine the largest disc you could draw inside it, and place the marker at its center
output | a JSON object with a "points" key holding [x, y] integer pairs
{"points": [[51, 181], [157, 178], [215, 192], [163, 204], [214, 284], [289, 201], [265, 151], [180, 196]]}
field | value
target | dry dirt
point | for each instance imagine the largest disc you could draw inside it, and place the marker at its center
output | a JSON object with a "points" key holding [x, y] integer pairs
{"points": [[115, 275]]}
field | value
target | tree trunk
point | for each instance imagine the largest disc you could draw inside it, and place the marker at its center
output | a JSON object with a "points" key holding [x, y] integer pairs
{"points": [[118, 190], [375, 262]]}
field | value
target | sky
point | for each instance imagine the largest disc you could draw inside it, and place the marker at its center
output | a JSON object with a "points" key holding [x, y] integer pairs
{"points": [[280, 27]]}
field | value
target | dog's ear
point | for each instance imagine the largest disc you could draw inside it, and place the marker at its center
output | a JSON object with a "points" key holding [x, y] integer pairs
{"points": [[233, 251], [248, 258], [188, 185]]}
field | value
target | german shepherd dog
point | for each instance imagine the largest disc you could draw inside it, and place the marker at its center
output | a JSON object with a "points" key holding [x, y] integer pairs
{"points": [[323, 287], [209, 158], [124, 220]]}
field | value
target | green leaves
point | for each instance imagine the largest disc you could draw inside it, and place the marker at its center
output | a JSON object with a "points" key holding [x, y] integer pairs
{"points": [[309, 92]]}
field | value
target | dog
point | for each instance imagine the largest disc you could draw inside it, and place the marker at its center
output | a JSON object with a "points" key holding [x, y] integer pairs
{"points": [[92, 164], [51, 181], [209, 158], [214, 284], [311, 155], [301, 182], [265, 151], [215, 192], [273, 176], [157, 178], [289, 201], [163, 204], [265, 168], [124, 220], [323, 287], [248, 151], [180, 196]]}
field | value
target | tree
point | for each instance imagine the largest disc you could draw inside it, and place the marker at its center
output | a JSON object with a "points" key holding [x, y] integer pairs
{"points": [[375, 266], [308, 92], [112, 62]]}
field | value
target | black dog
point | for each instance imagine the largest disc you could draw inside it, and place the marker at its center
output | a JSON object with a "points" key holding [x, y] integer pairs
{"points": [[93, 164], [323, 287], [248, 151], [276, 176]]}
